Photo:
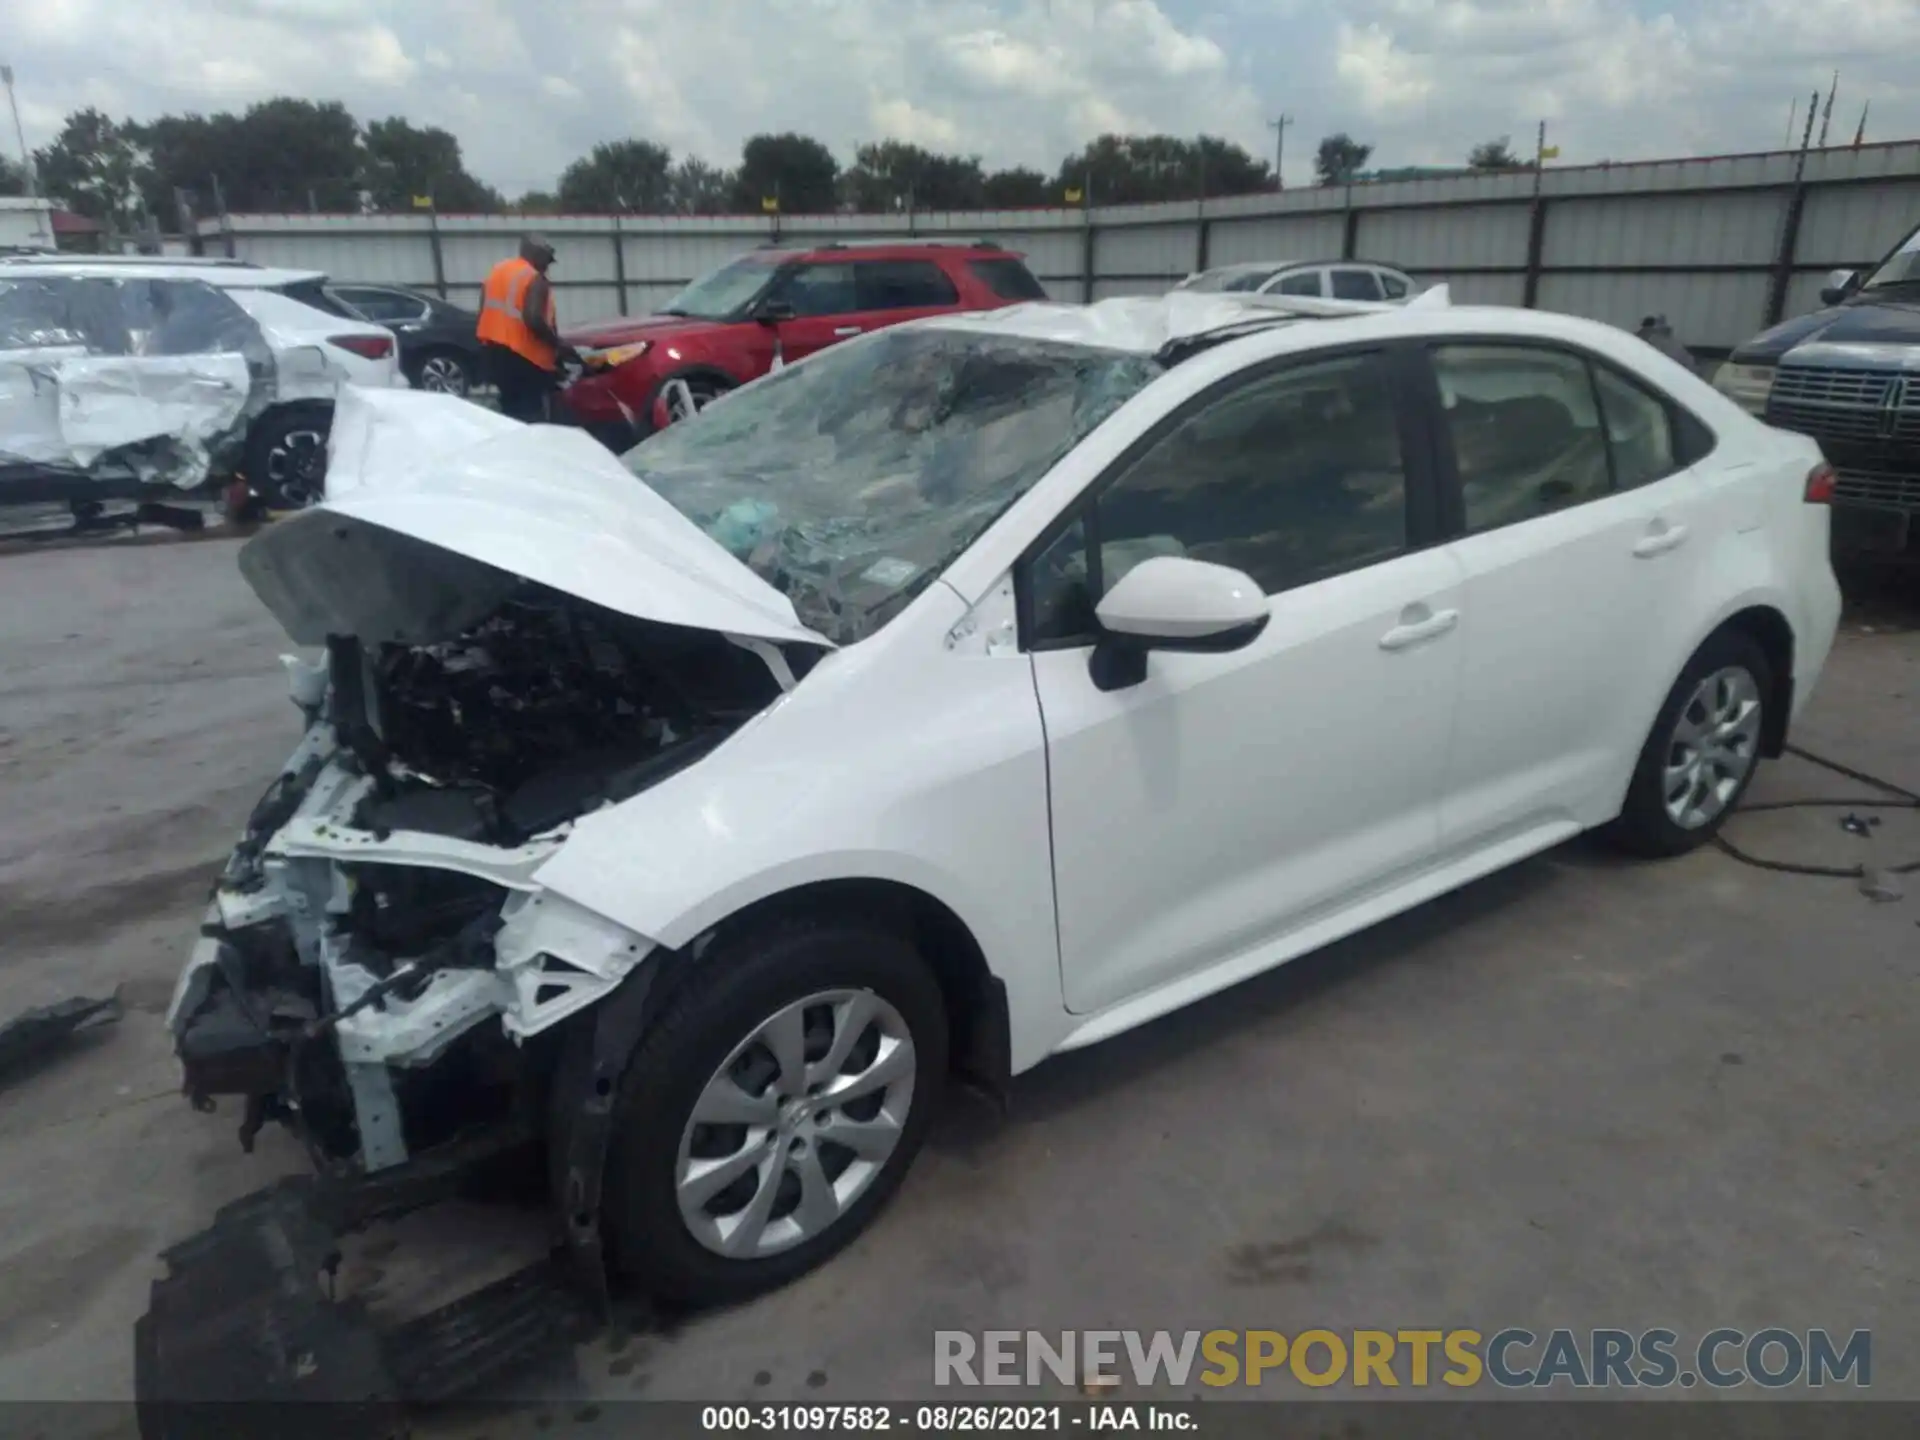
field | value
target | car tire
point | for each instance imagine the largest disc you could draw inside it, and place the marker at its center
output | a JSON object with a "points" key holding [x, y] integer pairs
{"points": [[1703, 750], [444, 372], [286, 456], [666, 1223]]}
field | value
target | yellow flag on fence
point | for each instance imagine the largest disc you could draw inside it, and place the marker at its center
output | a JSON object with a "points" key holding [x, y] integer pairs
{"points": [[423, 202], [770, 203], [1550, 152], [1073, 197]]}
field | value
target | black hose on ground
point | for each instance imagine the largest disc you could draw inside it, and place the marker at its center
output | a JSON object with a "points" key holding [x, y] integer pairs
{"points": [[1901, 799]]}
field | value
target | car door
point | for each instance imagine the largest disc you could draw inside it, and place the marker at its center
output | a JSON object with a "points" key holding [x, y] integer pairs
{"points": [[1578, 518], [1230, 798], [825, 300]]}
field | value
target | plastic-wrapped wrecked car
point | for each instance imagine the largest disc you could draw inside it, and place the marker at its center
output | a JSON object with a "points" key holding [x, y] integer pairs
{"points": [[136, 380], [112, 386]]}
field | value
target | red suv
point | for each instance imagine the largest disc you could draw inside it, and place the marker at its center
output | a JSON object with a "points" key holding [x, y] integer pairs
{"points": [[765, 309]]}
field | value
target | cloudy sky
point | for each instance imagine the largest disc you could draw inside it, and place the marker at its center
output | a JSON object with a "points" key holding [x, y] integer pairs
{"points": [[528, 85]]}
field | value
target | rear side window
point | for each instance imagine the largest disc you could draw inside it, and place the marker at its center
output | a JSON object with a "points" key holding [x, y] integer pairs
{"points": [[1349, 284], [314, 293], [1252, 280], [1301, 282], [1525, 428], [1639, 431], [383, 306], [903, 285], [1008, 278]]}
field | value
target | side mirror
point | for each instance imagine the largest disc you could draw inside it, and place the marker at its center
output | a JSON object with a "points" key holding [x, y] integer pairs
{"points": [[1169, 602], [772, 312], [1840, 284]]}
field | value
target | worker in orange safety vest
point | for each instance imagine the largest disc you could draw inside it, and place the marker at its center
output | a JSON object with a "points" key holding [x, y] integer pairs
{"points": [[521, 348]]}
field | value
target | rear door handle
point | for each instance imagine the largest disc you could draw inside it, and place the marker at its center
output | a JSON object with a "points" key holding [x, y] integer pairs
{"points": [[847, 330], [1412, 633], [1660, 541]]}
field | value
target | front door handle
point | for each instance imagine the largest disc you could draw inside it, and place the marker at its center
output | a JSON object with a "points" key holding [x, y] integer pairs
{"points": [[1414, 631], [1658, 542], [847, 330]]}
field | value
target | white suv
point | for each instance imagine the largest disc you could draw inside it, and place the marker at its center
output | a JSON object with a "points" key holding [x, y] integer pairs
{"points": [[316, 349], [970, 692]]}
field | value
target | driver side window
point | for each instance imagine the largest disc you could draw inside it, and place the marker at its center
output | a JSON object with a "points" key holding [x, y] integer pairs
{"points": [[1292, 477]]}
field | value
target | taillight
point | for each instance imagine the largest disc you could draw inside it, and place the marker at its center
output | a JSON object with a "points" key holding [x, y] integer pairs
{"points": [[370, 347], [1820, 484]]}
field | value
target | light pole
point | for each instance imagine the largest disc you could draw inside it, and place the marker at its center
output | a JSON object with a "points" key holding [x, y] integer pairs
{"points": [[26, 160], [1279, 128]]}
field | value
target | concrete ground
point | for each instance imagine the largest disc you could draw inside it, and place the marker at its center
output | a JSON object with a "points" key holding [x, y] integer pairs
{"points": [[1580, 1093]]}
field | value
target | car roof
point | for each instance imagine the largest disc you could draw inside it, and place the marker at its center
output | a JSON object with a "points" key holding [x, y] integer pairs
{"points": [[889, 250], [1148, 324], [224, 274]]}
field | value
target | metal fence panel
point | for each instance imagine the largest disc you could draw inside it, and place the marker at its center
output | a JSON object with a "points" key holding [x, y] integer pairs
{"points": [[1275, 237], [1468, 237], [1742, 228], [1858, 223], [1713, 226], [1707, 310], [1146, 251]]}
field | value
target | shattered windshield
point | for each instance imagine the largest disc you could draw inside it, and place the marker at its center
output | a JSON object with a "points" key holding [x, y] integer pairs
{"points": [[851, 481], [720, 293]]}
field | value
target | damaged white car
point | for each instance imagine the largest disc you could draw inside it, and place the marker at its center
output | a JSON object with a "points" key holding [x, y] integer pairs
{"points": [[141, 380], [970, 692]]}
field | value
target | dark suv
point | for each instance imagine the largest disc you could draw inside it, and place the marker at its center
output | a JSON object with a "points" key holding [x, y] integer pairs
{"points": [[769, 307], [1849, 376]]}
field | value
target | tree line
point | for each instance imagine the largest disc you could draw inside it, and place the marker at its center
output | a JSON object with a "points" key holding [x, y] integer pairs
{"points": [[291, 155]]}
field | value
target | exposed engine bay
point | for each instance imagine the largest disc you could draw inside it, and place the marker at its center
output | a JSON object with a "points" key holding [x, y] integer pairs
{"points": [[381, 903], [547, 709]]}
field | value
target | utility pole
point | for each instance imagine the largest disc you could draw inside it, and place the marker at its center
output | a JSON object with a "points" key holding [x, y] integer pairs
{"points": [[1279, 128], [26, 158]]}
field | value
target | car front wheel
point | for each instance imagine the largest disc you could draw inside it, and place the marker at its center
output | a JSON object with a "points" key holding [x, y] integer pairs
{"points": [[772, 1109], [1703, 750]]}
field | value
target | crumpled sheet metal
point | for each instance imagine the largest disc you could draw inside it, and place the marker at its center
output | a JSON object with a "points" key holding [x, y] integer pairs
{"points": [[33, 1033]]}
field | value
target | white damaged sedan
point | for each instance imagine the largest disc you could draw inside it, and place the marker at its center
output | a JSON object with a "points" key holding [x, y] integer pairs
{"points": [[966, 693]]}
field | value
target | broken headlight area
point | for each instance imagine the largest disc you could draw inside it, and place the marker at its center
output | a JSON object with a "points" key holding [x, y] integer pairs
{"points": [[377, 952]]}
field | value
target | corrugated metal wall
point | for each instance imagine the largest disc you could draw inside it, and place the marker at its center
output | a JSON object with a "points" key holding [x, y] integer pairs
{"points": [[1719, 246]]}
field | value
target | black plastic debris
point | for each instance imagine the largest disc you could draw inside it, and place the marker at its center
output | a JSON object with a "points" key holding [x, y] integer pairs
{"points": [[34, 1033], [1858, 825]]}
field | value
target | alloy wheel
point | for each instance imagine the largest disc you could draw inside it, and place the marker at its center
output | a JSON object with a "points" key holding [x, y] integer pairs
{"points": [[297, 467], [444, 375], [1713, 747], [798, 1121]]}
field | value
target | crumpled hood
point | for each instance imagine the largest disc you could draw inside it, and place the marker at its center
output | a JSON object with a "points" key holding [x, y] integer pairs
{"points": [[1859, 322], [435, 507]]}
